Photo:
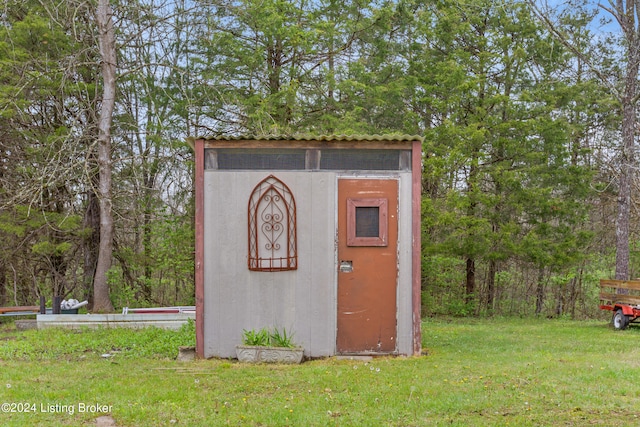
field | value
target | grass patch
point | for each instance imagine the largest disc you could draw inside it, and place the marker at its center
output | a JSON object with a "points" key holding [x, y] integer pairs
{"points": [[55, 343], [517, 372]]}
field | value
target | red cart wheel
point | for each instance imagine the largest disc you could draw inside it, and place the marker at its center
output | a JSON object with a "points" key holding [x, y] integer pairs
{"points": [[620, 321]]}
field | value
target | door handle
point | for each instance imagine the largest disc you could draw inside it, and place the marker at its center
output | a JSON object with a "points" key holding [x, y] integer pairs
{"points": [[346, 266]]}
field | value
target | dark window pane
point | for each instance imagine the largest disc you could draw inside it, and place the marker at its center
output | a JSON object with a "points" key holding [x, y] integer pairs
{"points": [[360, 159], [261, 159], [367, 222]]}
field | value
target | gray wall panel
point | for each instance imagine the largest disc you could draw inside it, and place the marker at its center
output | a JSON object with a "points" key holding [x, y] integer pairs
{"points": [[322, 293], [299, 300], [405, 312]]}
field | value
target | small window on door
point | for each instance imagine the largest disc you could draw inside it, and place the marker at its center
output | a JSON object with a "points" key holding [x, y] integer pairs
{"points": [[367, 222]]}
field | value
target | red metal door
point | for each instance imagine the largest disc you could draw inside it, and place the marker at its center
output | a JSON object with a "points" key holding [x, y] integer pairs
{"points": [[367, 265]]}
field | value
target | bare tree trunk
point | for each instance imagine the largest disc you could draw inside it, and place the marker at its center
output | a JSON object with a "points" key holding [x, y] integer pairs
{"points": [[574, 285], [3, 284], [151, 172], [471, 211], [627, 164], [471, 279], [540, 291], [91, 243], [106, 40], [491, 285], [560, 300]]}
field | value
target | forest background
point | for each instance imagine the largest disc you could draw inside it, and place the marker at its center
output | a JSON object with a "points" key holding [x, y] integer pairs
{"points": [[521, 108]]}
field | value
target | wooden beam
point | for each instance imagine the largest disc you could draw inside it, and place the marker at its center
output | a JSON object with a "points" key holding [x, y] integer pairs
{"points": [[621, 284], [199, 249], [305, 145], [416, 258], [621, 298], [35, 308]]}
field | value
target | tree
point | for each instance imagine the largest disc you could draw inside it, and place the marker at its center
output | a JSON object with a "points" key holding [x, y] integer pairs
{"points": [[506, 111], [154, 111], [279, 66], [45, 103], [494, 99], [107, 44], [625, 13]]}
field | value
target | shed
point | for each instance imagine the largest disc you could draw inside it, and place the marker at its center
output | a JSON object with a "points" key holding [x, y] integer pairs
{"points": [[319, 235]]}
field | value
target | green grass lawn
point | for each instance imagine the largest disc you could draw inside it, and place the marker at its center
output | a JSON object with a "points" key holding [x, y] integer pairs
{"points": [[501, 372]]}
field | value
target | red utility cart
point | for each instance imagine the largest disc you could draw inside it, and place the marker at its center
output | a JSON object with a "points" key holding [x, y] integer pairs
{"points": [[622, 297]]}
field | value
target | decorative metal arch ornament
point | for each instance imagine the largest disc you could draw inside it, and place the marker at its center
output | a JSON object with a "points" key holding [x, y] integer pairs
{"points": [[272, 227]]}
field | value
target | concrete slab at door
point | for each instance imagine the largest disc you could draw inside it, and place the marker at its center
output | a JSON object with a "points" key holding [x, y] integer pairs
{"points": [[367, 266]]}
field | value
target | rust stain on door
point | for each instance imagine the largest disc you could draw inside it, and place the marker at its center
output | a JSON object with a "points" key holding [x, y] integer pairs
{"points": [[367, 265]]}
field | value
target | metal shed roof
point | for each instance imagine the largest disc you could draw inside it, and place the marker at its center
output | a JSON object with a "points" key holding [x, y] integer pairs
{"points": [[311, 137], [306, 140]]}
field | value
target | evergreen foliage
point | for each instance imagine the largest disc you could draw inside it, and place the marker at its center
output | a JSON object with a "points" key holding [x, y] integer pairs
{"points": [[518, 137]]}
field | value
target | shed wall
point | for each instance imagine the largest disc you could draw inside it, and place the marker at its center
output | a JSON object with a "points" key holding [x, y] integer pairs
{"points": [[302, 300]]}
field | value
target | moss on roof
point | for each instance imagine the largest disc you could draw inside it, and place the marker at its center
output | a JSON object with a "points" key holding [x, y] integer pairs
{"points": [[310, 137]]}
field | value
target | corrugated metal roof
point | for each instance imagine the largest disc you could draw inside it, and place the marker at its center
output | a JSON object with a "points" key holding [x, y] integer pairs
{"points": [[309, 137]]}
